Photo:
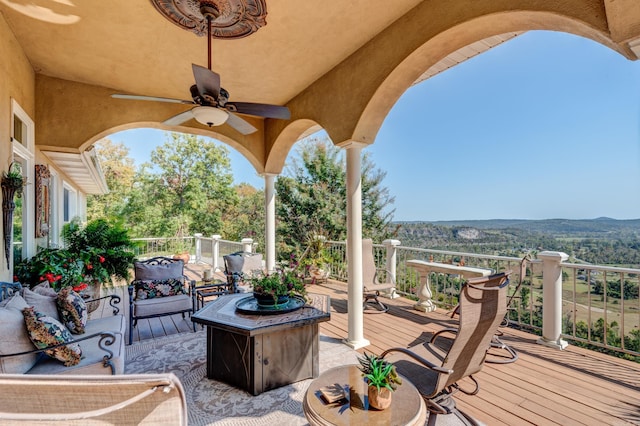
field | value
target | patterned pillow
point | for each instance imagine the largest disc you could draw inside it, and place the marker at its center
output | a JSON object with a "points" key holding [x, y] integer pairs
{"points": [[72, 310], [45, 331], [148, 289]]}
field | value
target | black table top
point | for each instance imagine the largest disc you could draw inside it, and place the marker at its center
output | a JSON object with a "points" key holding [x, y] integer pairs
{"points": [[221, 314]]}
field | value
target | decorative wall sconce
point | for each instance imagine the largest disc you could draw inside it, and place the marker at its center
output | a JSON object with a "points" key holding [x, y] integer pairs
{"points": [[43, 177]]}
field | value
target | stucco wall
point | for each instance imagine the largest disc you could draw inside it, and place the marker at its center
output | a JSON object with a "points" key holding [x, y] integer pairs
{"points": [[17, 81]]}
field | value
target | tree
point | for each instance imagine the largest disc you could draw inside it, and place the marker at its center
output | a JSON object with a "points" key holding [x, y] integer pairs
{"points": [[193, 185], [246, 218], [312, 197], [119, 172]]}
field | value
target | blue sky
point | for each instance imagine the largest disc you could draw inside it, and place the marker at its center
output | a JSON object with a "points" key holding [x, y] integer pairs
{"points": [[543, 126]]}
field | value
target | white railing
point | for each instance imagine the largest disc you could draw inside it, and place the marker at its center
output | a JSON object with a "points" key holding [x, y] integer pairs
{"points": [[208, 250], [587, 304]]}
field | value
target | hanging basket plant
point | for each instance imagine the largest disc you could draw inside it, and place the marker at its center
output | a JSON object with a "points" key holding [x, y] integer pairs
{"points": [[12, 183]]}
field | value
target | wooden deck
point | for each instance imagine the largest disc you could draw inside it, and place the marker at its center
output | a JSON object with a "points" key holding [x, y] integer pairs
{"points": [[545, 386]]}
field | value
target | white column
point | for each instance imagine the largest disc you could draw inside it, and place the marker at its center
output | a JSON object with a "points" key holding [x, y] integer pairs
{"points": [[390, 247], [198, 238], [215, 252], [355, 339], [270, 221], [552, 299], [247, 245]]}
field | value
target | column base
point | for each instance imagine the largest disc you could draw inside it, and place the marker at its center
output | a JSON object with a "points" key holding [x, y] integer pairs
{"points": [[391, 294], [555, 344], [425, 307], [356, 344]]}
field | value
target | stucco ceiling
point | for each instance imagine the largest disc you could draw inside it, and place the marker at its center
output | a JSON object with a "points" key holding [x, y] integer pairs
{"points": [[128, 46]]}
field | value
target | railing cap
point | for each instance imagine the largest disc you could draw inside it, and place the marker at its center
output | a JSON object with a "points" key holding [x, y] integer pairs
{"points": [[556, 256]]}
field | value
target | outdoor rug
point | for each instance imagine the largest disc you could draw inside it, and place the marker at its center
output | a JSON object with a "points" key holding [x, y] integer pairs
{"points": [[215, 403]]}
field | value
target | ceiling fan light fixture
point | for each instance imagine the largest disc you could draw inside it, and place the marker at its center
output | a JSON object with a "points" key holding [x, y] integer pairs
{"points": [[210, 116]]}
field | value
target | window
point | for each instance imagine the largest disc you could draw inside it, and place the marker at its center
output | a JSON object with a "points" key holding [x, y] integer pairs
{"points": [[23, 141], [69, 201]]}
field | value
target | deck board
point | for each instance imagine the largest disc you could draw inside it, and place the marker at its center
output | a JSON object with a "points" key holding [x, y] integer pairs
{"points": [[544, 387]]}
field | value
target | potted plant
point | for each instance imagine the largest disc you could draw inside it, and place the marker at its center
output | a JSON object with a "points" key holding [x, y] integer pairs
{"points": [[275, 289], [12, 183], [382, 379], [316, 259]]}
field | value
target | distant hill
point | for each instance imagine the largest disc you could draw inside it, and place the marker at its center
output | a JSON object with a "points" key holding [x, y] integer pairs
{"points": [[601, 241], [585, 228]]}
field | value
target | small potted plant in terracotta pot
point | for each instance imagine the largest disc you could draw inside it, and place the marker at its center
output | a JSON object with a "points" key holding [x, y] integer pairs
{"points": [[382, 379]]}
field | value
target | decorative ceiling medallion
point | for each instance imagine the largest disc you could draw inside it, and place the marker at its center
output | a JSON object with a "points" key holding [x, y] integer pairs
{"points": [[233, 18]]}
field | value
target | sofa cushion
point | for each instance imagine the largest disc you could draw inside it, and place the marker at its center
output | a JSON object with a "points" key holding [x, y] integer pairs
{"points": [[161, 305], [46, 305], [14, 337], [144, 271], [72, 310], [92, 356], [44, 289], [45, 331], [148, 289]]}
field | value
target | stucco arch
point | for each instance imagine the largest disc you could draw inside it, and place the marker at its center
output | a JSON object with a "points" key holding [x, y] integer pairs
{"points": [[447, 42], [352, 100], [255, 162], [91, 114], [285, 141]]}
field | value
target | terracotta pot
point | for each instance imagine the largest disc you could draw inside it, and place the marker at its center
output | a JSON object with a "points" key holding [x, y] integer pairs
{"points": [[92, 292], [183, 256], [379, 399]]}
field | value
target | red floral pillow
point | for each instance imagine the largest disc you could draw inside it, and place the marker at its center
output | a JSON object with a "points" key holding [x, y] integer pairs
{"points": [[148, 289]]}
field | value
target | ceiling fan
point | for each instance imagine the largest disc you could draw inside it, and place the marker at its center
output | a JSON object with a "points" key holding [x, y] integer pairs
{"points": [[212, 101]]}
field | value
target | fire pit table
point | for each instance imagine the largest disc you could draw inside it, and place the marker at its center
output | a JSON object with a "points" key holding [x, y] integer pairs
{"points": [[261, 351]]}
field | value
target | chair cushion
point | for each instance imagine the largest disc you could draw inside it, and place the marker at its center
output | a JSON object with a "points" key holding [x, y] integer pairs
{"points": [[46, 305], [162, 305], [233, 263], [44, 289], [45, 331], [14, 337], [144, 271], [148, 289], [73, 310]]}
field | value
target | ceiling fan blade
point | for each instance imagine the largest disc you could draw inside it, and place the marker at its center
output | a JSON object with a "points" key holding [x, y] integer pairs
{"points": [[207, 81], [150, 98], [179, 119], [240, 124], [262, 110]]}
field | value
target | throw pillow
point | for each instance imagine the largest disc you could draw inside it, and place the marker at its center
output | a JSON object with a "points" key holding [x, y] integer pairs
{"points": [[45, 304], [72, 310], [148, 289], [45, 331], [14, 338], [173, 269]]}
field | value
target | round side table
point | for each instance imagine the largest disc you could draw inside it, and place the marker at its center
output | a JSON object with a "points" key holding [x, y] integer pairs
{"points": [[407, 406]]}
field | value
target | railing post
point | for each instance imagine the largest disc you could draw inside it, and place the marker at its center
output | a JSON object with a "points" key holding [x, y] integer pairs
{"points": [[390, 247], [552, 299], [198, 237], [215, 252], [247, 244]]}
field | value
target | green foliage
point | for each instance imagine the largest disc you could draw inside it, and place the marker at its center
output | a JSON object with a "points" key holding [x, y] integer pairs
{"points": [[186, 188], [312, 198], [379, 373], [280, 283], [105, 248], [59, 267]]}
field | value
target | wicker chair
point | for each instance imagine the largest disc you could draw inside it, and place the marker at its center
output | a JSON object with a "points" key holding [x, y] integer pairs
{"points": [[371, 280], [149, 399], [435, 370]]}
